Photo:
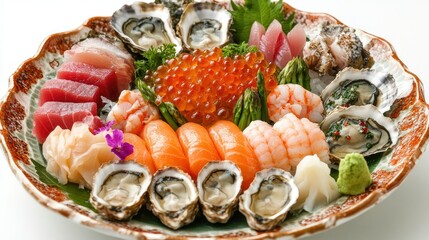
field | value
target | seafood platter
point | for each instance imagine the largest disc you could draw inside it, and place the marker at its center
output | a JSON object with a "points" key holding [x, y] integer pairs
{"points": [[213, 119]]}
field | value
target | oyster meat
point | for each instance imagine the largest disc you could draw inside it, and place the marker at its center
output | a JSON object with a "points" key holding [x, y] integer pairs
{"points": [[119, 189], [173, 197], [268, 199], [204, 25], [144, 25], [219, 186], [358, 129], [360, 87]]}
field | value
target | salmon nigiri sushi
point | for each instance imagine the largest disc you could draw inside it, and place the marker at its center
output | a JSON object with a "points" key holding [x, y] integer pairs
{"points": [[232, 145], [140, 154], [164, 146], [197, 146]]}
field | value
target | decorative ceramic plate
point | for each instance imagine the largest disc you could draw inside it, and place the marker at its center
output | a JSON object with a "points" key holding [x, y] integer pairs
{"points": [[410, 113]]}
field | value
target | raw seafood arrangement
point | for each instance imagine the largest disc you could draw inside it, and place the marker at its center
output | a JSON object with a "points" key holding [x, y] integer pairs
{"points": [[193, 110]]}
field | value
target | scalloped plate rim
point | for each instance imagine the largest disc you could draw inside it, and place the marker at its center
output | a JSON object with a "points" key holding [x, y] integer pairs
{"points": [[110, 229]]}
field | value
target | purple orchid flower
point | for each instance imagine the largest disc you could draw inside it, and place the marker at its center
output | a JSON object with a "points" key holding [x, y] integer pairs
{"points": [[105, 127], [119, 148]]}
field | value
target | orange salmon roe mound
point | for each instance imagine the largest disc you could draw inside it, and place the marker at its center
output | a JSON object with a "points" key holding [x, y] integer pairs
{"points": [[205, 86]]}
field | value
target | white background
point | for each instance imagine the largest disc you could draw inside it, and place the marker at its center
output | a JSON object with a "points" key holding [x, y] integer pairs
{"points": [[403, 215]]}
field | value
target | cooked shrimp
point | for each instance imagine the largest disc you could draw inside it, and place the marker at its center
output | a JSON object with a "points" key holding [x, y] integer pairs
{"points": [[293, 98], [132, 112], [317, 138], [267, 145], [301, 138]]}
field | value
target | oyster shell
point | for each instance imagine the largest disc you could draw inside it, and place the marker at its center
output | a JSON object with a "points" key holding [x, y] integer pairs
{"points": [[143, 25], [358, 129], [176, 9], [360, 87], [268, 199], [219, 186], [204, 25], [119, 189], [173, 197]]}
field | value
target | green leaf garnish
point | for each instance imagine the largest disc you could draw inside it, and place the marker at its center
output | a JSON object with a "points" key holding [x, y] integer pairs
{"points": [[263, 11], [78, 195], [235, 49]]}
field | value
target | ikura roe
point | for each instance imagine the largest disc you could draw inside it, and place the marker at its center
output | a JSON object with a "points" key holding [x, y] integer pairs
{"points": [[205, 86]]}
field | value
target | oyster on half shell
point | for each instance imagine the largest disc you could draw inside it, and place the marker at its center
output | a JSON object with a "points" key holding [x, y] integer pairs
{"points": [[360, 87], [268, 199], [119, 189], [144, 25], [358, 129], [219, 186], [204, 25], [173, 197]]}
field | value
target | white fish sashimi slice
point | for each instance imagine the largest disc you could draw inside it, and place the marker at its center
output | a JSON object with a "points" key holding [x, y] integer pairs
{"points": [[296, 39], [256, 33], [106, 46], [284, 52], [269, 41]]}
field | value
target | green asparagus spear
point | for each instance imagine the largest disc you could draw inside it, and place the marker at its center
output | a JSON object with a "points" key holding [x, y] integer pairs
{"points": [[255, 107], [147, 93], [263, 97], [245, 116], [175, 113], [168, 111], [167, 117], [296, 71], [238, 110]]}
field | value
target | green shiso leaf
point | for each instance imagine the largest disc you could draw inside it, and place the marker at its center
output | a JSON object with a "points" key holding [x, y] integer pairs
{"points": [[78, 195], [262, 11]]}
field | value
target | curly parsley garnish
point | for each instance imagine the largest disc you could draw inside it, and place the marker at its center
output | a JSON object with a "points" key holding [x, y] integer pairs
{"points": [[153, 58], [235, 49]]}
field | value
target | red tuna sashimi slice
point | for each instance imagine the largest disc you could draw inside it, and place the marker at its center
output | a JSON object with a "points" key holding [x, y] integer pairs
{"points": [[269, 40], [283, 51], [296, 38], [103, 78], [256, 33], [63, 114], [60, 90], [103, 54]]}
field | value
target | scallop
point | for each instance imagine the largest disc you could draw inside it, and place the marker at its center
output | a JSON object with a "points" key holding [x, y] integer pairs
{"points": [[173, 197], [358, 129], [268, 199], [360, 87], [144, 25], [204, 25], [219, 186], [119, 189]]}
